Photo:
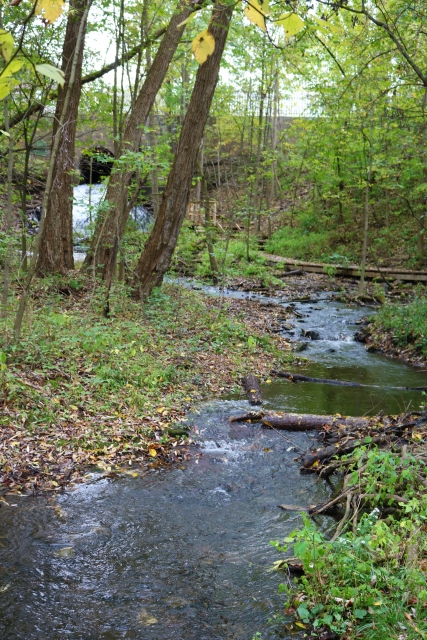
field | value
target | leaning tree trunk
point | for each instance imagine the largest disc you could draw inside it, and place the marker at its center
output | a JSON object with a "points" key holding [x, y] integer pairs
{"points": [[56, 249], [158, 251], [111, 226]]}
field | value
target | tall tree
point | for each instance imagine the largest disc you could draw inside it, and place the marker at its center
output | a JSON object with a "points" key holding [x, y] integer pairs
{"points": [[158, 251], [56, 248], [111, 224]]}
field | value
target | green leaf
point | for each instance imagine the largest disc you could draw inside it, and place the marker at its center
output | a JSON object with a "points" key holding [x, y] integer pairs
{"points": [[291, 23], [325, 25], [360, 613], [6, 44], [303, 612], [2, 354], [51, 72]]}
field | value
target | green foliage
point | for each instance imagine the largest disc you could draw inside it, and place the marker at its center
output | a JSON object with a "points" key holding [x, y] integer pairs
{"points": [[407, 324], [191, 257], [366, 583], [131, 360], [297, 244]]}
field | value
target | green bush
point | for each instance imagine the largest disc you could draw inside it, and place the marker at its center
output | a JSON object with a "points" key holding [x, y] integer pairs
{"points": [[406, 323]]}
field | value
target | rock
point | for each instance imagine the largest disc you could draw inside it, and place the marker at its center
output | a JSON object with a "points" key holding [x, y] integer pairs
{"points": [[301, 346], [371, 348], [310, 333], [360, 336]]}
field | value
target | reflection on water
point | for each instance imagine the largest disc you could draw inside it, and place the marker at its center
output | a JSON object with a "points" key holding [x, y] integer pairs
{"points": [[184, 553], [179, 554]]}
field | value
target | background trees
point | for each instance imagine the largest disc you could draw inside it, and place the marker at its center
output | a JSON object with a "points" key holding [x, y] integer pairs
{"points": [[304, 178]]}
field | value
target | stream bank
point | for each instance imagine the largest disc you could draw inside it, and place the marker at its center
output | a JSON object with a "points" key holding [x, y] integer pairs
{"points": [[182, 552]]}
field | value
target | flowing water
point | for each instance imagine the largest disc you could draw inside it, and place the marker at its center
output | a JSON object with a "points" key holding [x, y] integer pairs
{"points": [[183, 553], [86, 201]]}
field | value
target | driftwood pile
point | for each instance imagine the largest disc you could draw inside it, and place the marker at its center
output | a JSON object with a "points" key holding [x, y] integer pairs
{"points": [[340, 435]]}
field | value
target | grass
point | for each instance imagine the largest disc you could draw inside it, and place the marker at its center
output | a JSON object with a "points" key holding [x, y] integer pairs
{"points": [[83, 390], [405, 324]]}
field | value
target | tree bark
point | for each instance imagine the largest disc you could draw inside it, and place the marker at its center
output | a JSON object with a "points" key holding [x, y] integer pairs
{"points": [[9, 214], [156, 257], [309, 422], [111, 225], [49, 181], [56, 248]]}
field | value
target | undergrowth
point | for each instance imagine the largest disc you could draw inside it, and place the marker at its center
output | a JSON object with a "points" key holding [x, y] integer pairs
{"points": [[90, 387], [407, 324], [191, 257], [370, 582]]}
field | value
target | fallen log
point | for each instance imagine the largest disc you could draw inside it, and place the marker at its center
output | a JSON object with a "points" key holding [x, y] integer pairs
{"points": [[310, 422], [252, 388], [252, 416], [328, 452], [294, 272], [297, 377]]}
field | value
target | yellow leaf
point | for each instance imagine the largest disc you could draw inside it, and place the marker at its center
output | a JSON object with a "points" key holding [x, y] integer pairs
{"points": [[50, 9], [6, 44], [73, 407], [189, 19], [203, 46], [254, 12], [291, 23], [160, 409], [300, 624], [5, 88], [11, 68], [268, 381], [417, 436], [152, 452]]}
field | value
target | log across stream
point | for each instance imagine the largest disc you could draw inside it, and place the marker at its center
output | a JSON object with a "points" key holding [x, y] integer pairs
{"points": [[184, 553]]}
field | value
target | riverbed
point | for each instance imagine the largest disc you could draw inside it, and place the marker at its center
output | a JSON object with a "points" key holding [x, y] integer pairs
{"points": [[184, 553]]}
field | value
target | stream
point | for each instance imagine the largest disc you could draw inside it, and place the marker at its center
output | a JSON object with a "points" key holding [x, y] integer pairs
{"points": [[184, 553]]}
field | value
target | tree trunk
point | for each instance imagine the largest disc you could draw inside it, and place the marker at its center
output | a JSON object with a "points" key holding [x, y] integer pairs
{"points": [[9, 213], [49, 180], [56, 249], [160, 246], [111, 226], [366, 223]]}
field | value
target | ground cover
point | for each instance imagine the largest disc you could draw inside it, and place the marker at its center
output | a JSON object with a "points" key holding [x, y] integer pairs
{"points": [[366, 577], [80, 390], [401, 330]]}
